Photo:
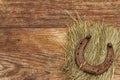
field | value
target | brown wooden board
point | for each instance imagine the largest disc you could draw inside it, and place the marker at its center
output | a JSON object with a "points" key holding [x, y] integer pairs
{"points": [[50, 13], [37, 54], [34, 54]]}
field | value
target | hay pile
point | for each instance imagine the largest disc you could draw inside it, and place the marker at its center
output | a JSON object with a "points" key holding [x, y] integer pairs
{"points": [[95, 51]]}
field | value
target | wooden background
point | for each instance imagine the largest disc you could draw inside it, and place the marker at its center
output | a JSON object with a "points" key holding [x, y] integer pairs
{"points": [[32, 32]]}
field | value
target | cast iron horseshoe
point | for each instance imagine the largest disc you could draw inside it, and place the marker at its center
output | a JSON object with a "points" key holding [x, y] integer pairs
{"points": [[93, 69]]}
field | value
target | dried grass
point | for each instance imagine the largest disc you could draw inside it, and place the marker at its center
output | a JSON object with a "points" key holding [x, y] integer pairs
{"points": [[95, 51]]}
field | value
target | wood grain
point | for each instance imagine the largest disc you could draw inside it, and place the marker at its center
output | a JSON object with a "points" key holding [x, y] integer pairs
{"points": [[37, 54], [34, 54], [50, 13], [31, 54]]}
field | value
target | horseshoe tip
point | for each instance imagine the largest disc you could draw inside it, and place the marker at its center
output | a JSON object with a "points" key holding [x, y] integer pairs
{"points": [[88, 37], [109, 44]]}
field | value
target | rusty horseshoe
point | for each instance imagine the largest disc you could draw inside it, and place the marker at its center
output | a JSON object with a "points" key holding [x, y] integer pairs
{"points": [[88, 68]]}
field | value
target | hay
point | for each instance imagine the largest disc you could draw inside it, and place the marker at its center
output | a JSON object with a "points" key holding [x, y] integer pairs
{"points": [[95, 51]]}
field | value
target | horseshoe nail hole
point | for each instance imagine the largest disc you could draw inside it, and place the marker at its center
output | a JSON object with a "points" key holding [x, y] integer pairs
{"points": [[98, 70], [93, 69], [110, 60], [81, 43]]}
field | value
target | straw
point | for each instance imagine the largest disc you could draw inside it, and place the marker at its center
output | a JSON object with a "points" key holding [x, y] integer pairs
{"points": [[95, 51]]}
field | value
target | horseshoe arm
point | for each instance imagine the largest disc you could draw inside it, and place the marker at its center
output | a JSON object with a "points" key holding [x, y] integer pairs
{"points": [[93, 69]]}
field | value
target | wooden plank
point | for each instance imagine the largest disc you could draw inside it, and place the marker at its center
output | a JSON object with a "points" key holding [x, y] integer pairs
{"points": [[50, 13], [31, 54], [34, 54]]}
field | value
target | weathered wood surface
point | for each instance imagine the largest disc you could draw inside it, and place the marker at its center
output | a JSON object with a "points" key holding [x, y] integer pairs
{"points": [[50, 13], [37, 54], [31, 54], [34, 54]]}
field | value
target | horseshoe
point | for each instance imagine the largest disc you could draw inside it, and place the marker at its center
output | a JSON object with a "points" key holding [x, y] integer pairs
{"points": [[93, 69]]}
